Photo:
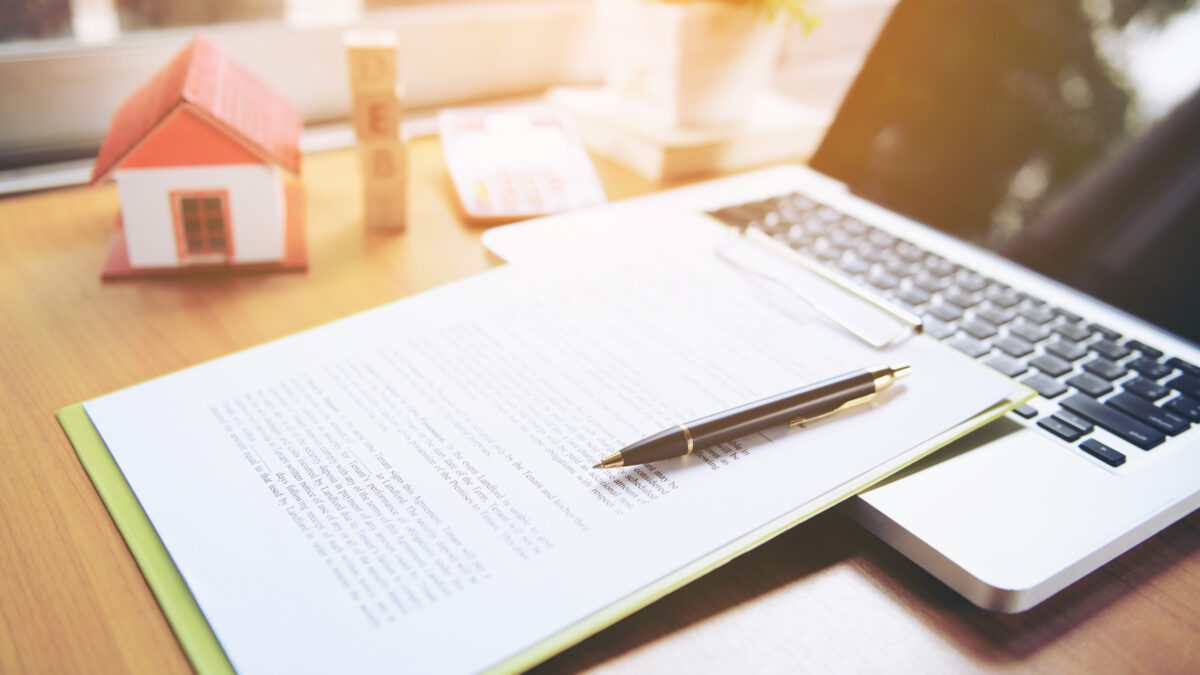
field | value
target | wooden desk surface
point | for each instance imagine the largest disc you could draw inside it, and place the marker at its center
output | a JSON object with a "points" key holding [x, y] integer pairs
{"points": [[825, 597]]}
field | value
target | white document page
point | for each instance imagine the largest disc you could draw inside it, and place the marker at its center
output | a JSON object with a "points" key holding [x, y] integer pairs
{"points": [[411, 489]]}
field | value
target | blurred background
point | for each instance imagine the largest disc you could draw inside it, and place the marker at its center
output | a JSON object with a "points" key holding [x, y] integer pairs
{"points": [[65, 65]]}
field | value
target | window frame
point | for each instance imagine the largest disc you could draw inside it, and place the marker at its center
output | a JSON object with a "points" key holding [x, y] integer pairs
{"points": [[208, 255], [66, 92]]}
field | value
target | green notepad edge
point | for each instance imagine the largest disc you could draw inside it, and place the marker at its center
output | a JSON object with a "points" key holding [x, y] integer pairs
{"points": [[191, 628], [207, 657]]}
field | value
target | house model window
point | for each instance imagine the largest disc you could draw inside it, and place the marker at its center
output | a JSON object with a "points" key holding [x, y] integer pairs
{"points": [[202, 226]]}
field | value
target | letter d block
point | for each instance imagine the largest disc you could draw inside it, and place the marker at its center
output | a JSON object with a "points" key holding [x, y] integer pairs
{"points": [[371, 56]]}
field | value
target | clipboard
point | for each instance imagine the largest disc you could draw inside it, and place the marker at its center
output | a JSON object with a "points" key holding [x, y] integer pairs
{"points": [[864, 314], [204, 650], [197, 636]]}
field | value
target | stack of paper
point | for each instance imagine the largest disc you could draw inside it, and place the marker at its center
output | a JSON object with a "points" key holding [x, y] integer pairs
{"points": [[410, 489]]}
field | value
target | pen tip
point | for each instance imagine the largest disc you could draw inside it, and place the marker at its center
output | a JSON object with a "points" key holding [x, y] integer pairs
{"points": [[613, 461]]}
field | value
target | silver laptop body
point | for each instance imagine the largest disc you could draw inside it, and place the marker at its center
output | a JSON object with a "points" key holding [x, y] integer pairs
{"points": [[1109, 454]]}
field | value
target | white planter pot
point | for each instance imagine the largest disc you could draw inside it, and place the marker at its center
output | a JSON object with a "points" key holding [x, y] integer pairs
{"points": [[687, 64]]}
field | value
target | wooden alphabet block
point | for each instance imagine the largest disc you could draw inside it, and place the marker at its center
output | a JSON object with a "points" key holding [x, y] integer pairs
{"points": [[384, 178], [371, 56], [385, 208], [376, 115], [382, 162]]}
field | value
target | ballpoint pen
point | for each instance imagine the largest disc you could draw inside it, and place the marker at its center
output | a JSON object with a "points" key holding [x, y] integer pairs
{"points": [[794, 407]]}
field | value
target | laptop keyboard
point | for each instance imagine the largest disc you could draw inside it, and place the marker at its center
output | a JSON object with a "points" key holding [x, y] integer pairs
{"points": [[1096, 376]]}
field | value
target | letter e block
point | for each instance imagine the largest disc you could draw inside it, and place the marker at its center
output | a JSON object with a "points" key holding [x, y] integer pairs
{"points": [[376, 116]]}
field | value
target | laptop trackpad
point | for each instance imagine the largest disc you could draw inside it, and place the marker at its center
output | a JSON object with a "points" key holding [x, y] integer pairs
{"points": [[1047, 517]]}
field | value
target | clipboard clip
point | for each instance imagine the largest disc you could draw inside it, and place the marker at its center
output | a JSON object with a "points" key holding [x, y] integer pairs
{"points": [[861, 312]]}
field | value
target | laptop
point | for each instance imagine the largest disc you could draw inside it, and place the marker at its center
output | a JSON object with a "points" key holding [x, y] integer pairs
{"points": [[1025, 176]]}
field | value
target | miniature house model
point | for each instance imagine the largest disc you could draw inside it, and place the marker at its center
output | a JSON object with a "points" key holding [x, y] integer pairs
{"points": [[206, 159]]}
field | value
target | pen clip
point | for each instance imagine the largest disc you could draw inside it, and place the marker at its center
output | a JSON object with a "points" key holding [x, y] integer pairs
{"points": [[797, 421], [878, 322]]}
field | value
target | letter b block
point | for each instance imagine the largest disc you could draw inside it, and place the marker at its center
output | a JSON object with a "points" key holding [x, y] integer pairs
{"points": [[383, 166]]}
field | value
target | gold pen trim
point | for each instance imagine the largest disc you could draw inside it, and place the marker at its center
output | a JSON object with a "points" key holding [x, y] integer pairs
{"points": [[848, 404], [614, 461], [688, 435], [884, 377]]}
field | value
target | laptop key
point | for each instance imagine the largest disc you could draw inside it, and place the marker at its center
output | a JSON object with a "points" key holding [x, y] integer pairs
{"points": [[946, 312], [1127, 428], [1014, 346], [855, 226], [1069, 316], [1104, 368], [960, 298], [1075, 420], [1044, 385], [971, 282], [1105, 331], [882, 279], [913, 295], [872, 254], [1186, 384], [1073, 331], [1063, 349], [969, 346], [996, 315], [929, 282], [936, 328], [1090, 384], [899, 266], [1144, 348], [880, 238], [1186, 406], [1002, 296], [1111, 349], [1150, 368], [1050, 364], [1190, 369], [824, 250], [1006, 364], [773, 224], [1060, 428], [1147, 389], [909, 251], [1163, 420], [978, 328], [1038, 314], [1102, 452], [1029, 331], [1027, 411], [796, 237], [939, 265], [852, 264], [843, 239]]}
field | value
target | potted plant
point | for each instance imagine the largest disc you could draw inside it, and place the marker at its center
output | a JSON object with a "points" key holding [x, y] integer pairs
{"points": [[693, 63]]}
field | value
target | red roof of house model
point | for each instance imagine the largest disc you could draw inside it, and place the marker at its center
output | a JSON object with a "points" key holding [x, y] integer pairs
{"points": [[218, 90]]}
